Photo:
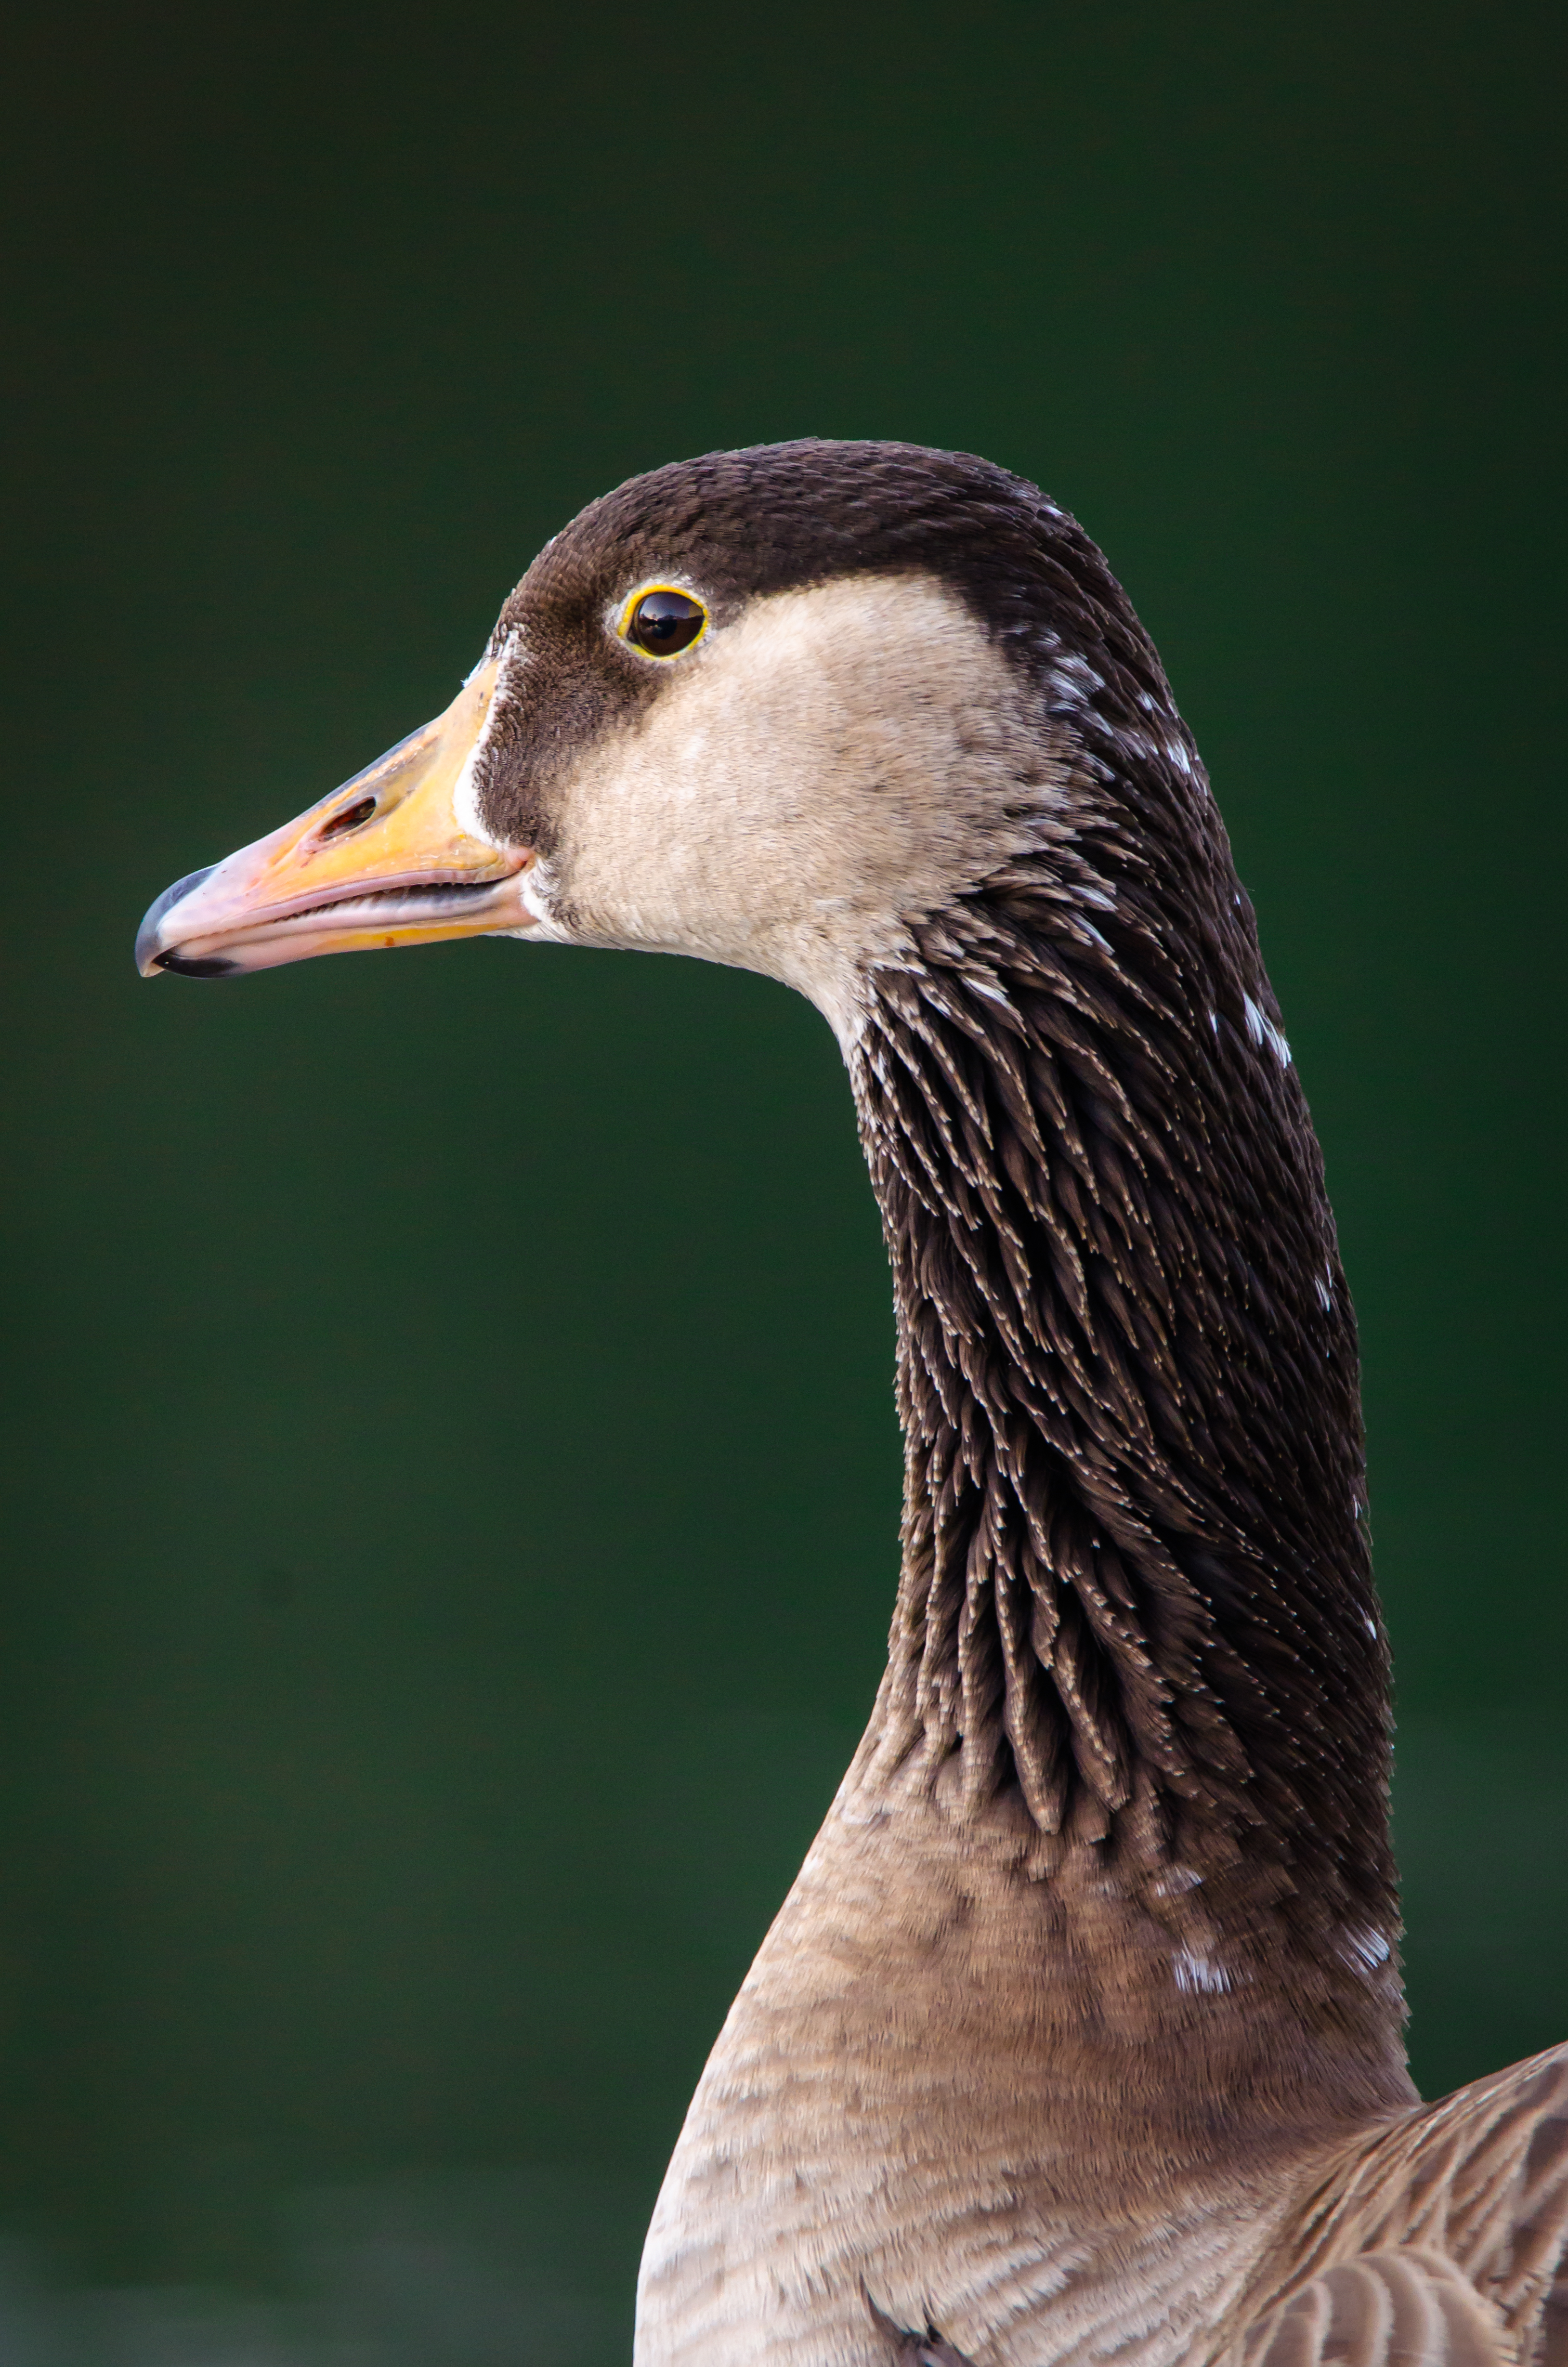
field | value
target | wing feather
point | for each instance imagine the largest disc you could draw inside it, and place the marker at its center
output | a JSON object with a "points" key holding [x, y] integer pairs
{"points": [[1385, 2309], [1479, 2183]]}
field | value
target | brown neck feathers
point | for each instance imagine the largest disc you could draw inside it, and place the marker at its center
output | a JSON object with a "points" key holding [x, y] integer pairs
{"points": [[1136, 1596]]}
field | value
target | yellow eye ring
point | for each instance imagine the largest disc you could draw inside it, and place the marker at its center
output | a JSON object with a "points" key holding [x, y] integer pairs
{"points": [[663, 621]]}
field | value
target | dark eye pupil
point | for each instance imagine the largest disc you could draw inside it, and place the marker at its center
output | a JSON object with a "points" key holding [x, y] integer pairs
{"points": [[663, 622]]}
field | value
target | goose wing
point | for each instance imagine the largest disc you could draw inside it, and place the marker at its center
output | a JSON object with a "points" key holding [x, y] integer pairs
{"points": [[1445, 2242], [1385, 2309]]}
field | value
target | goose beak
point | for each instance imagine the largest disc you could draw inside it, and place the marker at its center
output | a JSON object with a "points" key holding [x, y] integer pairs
{"points": [[384, 861]]}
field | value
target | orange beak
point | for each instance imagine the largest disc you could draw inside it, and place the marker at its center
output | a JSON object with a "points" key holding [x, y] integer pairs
{"points": [[384, 861]]}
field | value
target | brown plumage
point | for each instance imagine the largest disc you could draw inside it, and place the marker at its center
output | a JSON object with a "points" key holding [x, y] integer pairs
{"points": [[1079, 2035]]}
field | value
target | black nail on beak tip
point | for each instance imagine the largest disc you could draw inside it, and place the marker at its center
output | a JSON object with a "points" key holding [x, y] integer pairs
{"points": [[216, 966], [147, 934]]}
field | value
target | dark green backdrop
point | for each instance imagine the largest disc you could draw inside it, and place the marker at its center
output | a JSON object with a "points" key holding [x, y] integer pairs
{"points": [[452, 1473]]}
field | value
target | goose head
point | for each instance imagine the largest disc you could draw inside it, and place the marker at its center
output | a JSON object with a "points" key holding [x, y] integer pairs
{"points": [[770, 708], [881, 723]]}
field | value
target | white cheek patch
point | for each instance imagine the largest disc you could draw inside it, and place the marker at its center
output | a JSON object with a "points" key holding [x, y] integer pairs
{"points": [[824, 768]]}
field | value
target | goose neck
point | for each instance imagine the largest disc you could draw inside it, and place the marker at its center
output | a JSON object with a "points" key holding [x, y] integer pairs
{"points": [[1135, 1612]]}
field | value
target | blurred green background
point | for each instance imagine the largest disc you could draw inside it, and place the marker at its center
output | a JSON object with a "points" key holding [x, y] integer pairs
{"points": [[454, 1478]]}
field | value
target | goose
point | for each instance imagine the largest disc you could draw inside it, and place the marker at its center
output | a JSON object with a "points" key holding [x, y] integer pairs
{"points": [[1079, 2035]]}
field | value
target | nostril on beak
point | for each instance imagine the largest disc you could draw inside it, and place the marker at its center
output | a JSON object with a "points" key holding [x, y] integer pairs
{"points": [[349, 819]]}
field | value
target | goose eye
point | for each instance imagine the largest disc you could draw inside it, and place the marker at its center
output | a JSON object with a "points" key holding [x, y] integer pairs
{"points": [[664, 622]]}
